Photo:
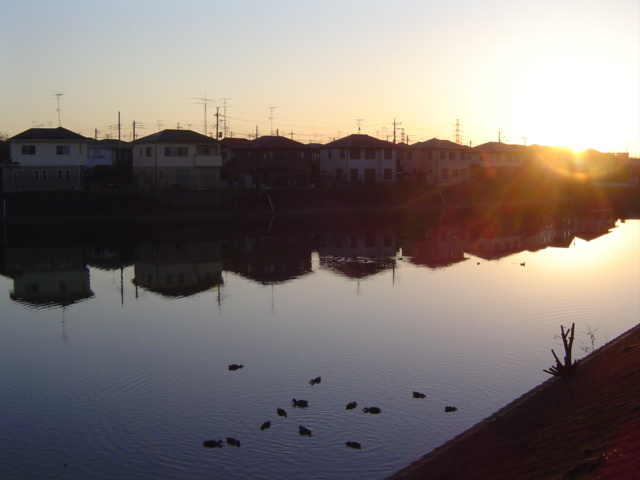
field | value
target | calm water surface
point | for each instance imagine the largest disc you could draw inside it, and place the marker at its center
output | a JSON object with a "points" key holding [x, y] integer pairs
{"points": [[114, 354]]}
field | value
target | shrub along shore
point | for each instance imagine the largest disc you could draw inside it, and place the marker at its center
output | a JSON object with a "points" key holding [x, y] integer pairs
{"points": [[132, 205]]}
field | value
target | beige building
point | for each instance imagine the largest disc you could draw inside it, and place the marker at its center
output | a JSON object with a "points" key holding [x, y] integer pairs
{"points": [[45, 159], [176, 159], [437, 162]]}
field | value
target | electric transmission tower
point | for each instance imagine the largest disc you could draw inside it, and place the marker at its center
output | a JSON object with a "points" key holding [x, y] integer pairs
{"points": [[457, 125]]}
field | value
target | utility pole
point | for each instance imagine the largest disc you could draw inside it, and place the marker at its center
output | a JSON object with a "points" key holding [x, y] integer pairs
{"points": [[500, 132], [134, 130], [217, 122], [205, 102], [58, 95], [395, 124], [525, 141]]}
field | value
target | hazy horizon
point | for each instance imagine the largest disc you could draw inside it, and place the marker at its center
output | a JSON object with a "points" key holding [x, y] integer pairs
{"points": [[547, 73]]}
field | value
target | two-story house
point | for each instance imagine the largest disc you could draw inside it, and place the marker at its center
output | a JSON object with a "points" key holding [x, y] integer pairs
{"points": [[270, 161], [176, 159], [358, 158], [499, 160], [109, 161], [437, 162], [46, 159]]}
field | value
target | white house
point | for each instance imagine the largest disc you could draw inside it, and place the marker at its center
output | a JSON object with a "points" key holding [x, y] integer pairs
{"points": [[358, 158], [176, 159], [46, 159]]}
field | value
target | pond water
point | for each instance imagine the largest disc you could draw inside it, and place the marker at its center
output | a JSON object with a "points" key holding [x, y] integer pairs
{"points": [[115, 342]]}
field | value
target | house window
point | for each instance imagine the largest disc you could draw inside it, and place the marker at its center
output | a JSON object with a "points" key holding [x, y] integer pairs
{"points": [[63, 149], [388, 154], [203, 151], [67, 174], [28, 149], [354, 153], [59, 174], [342, 154], [353, 173], [443, 155], [452, 155], [329, 154], [387, 174], [444, 174], [44, 174], [148, 151], [370, 153], [36, 174], [429, 155]]}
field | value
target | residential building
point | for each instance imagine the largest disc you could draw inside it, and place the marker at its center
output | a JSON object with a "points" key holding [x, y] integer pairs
{"points": [[357, 159], [46, 159], [109, 161], [270, 161], [437, 162], [181, 159], [499, 160]]}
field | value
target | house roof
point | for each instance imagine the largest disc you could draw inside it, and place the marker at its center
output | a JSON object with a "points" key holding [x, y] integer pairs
{"points": [[271, 141], [359, 140], [109, 143], [498, 147], [439, 144], [47, 134], [228, 142], [177, 136]]}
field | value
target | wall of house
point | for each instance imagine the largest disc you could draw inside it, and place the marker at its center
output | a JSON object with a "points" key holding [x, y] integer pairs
{"points": [[356, 165], [17, 178], [58, 153], [172, 177]]}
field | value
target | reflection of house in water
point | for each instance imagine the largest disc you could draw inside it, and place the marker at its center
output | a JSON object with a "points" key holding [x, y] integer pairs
{"points": [[441, 246], [357, 256], [595, 224], [178, 270], [269, 259], [491, 242], [47, 277]]}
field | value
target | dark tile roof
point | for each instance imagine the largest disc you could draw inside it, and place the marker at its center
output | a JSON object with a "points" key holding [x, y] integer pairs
{"points": [[44, 134], [232, 142], [497, 147], [439, 144], [109, 143], [359, 140], [271, 141], [177, 136]]}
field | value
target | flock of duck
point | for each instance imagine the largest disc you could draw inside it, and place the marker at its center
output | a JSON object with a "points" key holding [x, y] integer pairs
{"points": [[299, 403]]}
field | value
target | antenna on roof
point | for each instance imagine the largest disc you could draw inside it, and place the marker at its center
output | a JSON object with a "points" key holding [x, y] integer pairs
{"points": [[58, 95], [272, 108], [358, 121], [205, 101]]}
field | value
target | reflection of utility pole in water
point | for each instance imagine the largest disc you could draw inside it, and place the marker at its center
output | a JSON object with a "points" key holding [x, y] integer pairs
{"points": [[64, 331]]}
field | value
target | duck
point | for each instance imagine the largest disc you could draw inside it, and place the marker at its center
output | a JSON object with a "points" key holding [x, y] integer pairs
{"points": [[234, 367], [355, 445], [233, 441], [265, 425], [352, 405], [374, 410], [418, 395], [282, 412], [450, 409], [313, 381], [522, 264], [212, 443], [299, 403], [304, 431]]}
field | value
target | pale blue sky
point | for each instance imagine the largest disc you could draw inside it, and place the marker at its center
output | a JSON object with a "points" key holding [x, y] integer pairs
{"points": [[558, 72]]}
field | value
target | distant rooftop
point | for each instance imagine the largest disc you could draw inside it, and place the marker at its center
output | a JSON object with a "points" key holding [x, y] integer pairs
{"points": [[359, 140], [439, 144], [272, 141], [44, 134], [177, 136]]}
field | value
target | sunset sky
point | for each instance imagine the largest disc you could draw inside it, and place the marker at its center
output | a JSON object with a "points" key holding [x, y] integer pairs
{"points": [[553, 72]]}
